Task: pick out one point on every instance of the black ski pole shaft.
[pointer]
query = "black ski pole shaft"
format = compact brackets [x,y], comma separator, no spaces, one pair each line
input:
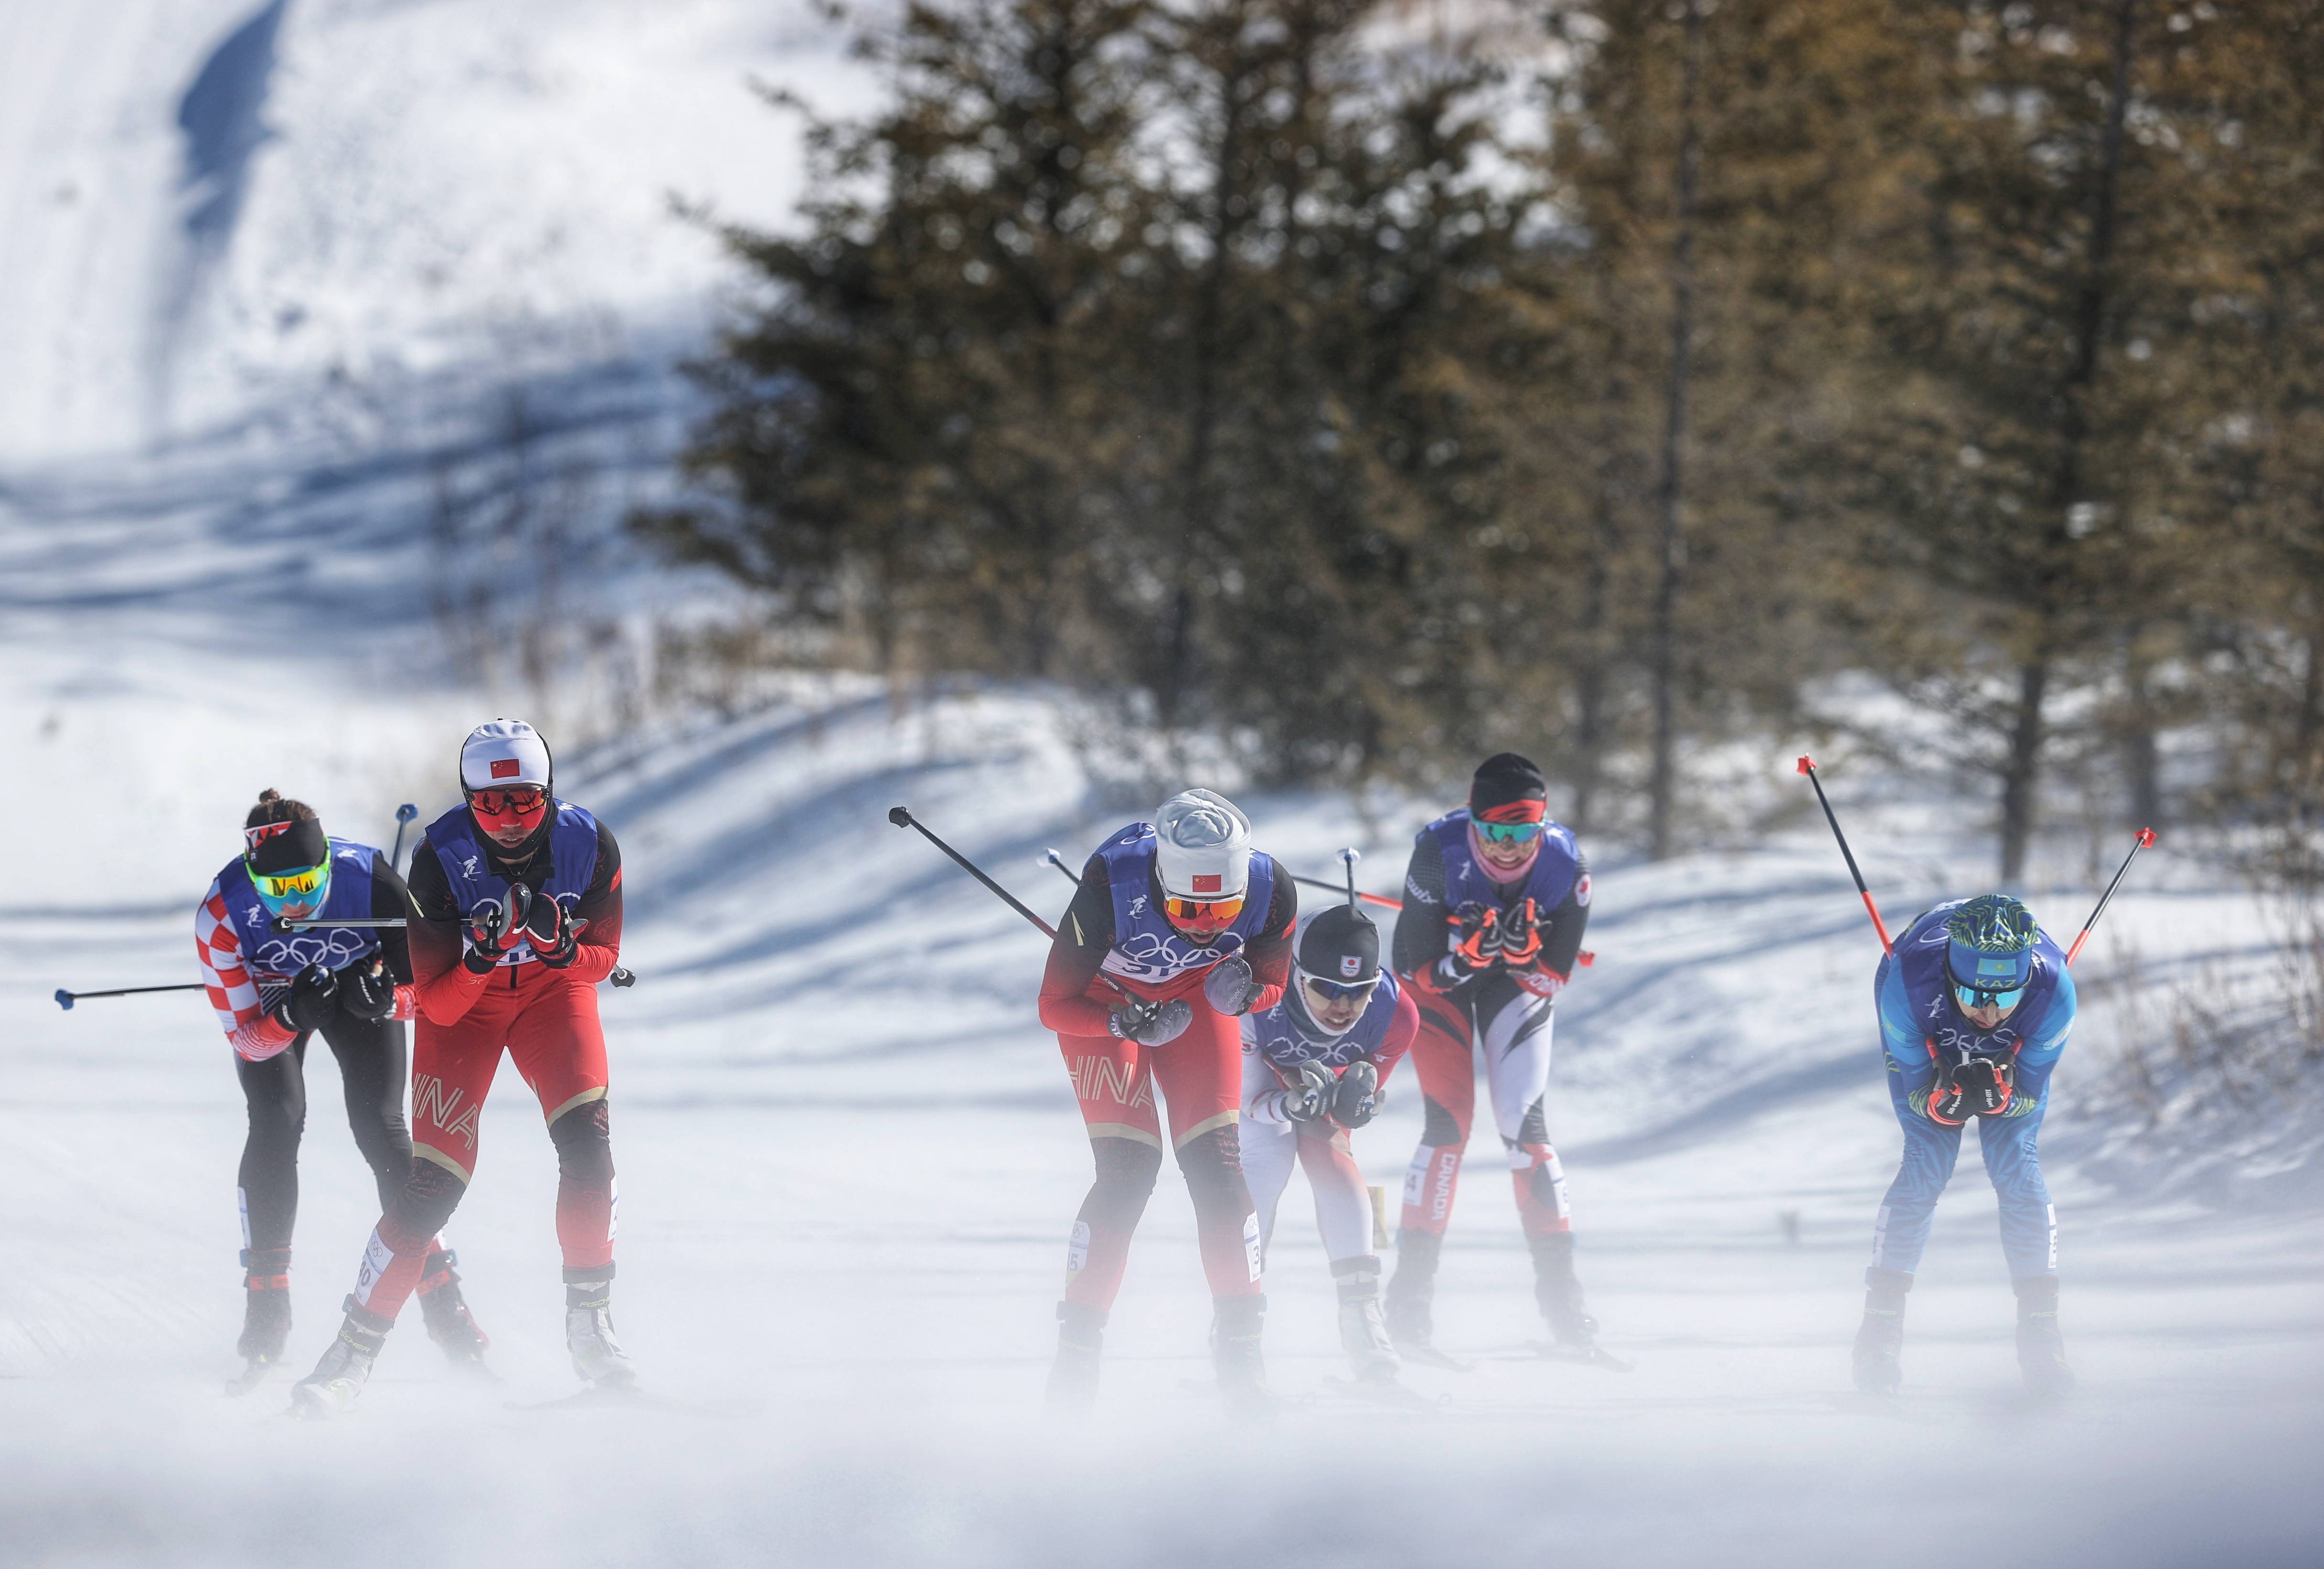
[901,816]
[403,814]
[2145,837]
[1348,858]
[1807,766]
[66,999]
[1058,861]
[1382,900]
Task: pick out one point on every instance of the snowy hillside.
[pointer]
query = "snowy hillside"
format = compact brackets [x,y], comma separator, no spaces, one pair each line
[214,207]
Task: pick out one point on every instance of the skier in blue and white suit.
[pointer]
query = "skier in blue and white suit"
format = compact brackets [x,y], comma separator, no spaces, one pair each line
[1974,1004]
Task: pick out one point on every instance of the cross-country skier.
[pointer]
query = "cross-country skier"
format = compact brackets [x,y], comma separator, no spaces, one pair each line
[519,915]
[1495,901]
[1314,1067]
[1975,1006]
[1180,928]
[275,989]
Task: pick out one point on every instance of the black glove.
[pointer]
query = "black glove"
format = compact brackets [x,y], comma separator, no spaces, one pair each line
[1520,935]
[1974,1086]
[1357,1099]
[1307,1095]
[310,1002]
[554,935]
[493,930]
[1229,987]
[1476,942]
[367,991]
[1151,1024]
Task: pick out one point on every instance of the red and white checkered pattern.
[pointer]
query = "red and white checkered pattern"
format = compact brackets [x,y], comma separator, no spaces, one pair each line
[234,992]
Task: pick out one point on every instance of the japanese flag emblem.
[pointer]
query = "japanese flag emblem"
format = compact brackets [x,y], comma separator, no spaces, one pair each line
[1349,965]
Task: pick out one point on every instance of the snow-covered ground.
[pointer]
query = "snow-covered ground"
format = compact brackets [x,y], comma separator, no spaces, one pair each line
[848,1155]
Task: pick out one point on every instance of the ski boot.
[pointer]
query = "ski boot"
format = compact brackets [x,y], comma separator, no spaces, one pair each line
[1072,1377]
[450,1324]
[332,1388]
[1411,1295]
[1559,1292]
[265,1314]
[1363,1331]
[2040,1349]
[1235,1327]
[1882,1335]
[597,1357]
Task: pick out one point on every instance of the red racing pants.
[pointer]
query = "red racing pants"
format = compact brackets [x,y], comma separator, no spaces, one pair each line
[547,1023]
[1199,1075]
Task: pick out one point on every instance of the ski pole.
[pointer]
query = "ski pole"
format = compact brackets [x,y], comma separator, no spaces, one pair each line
[1807,766]
[1058,861]
[1382,900]
[620,975]
[403,814]
[1349,856]
[901,816]
[66,999]
[2145,837]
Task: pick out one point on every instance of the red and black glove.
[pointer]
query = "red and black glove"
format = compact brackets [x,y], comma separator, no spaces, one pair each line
[1975,1086]
[1521,936]
[493,928]
[553,934]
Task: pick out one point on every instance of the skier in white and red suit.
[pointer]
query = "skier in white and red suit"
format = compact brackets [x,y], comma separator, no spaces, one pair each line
[275,988]
[1495,901]
[1180,928]
[1314,1067]
[518,916]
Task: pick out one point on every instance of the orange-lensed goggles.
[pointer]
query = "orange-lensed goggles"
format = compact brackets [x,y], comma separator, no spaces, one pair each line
[1202,912]
[510,807]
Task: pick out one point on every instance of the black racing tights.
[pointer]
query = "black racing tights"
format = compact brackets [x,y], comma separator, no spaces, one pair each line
[373,1065]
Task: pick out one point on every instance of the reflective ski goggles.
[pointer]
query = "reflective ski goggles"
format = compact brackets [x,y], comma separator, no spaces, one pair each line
[1340,991]
[307,887]
[1972,998]
[519,806]
[1202,913]
[1509,832]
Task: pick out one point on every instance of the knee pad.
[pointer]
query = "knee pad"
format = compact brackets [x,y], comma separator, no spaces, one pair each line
[1438,1130]
[1126,1170]
[584,1138]
[427,1199]
[1213,1164]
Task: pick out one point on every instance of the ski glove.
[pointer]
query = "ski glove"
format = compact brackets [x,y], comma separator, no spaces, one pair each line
[492,930]
[1520,935]
[1229,985]
[309,1003]
[367,991]
[1356,1101]
[1975,1086]
[1307,1095]
[554,934]
[1151,1024]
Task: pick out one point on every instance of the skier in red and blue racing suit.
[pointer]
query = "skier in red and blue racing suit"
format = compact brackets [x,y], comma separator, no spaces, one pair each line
[1975,1003]
[1496,899]
[1314,1067]
[275,988]
[1180,928]
[518,903]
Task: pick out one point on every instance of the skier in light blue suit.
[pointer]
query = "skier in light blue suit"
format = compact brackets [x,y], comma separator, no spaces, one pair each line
[1974,1004]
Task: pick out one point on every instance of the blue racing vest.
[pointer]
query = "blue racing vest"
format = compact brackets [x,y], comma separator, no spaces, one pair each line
[1278,1037]
[573,862]
[273,953]
[1555,868]
[1146,947]
[1929,989]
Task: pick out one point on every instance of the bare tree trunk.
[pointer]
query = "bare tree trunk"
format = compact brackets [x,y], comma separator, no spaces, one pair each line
[1673,490]
[2055,594]
[2022,772]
